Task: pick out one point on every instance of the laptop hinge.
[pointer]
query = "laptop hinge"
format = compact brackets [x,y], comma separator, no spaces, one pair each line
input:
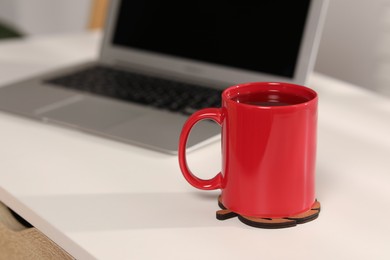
[169,74]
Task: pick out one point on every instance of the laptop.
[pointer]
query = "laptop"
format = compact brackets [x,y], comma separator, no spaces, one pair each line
[162,60]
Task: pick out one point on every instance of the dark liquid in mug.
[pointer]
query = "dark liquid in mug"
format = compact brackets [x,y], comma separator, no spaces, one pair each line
[270,99]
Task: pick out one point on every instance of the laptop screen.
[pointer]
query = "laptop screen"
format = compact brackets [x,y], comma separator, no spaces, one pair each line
[261,36]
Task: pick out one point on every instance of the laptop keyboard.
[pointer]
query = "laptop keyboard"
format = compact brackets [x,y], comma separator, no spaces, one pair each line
[142,89]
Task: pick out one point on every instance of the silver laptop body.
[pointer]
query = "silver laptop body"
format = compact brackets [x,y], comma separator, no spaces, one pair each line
[157,128]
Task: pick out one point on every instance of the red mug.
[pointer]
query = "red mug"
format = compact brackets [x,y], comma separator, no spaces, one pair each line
[268,139]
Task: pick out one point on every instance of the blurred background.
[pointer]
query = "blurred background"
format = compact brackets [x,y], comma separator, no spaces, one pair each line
[355,45]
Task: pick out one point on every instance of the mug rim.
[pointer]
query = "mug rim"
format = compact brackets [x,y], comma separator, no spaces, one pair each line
[231,92]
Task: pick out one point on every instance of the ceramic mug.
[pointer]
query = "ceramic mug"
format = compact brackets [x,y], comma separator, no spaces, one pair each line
[268,140]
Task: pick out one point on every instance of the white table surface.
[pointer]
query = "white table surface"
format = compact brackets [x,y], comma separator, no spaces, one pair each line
[101,199]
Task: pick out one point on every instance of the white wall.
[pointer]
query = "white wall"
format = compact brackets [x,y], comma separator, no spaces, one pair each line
[355,45]
[46,16]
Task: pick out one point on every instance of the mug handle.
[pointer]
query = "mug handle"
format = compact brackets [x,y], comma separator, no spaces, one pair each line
[214,183]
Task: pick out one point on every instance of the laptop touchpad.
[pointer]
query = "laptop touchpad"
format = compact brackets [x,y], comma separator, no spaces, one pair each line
[91,113]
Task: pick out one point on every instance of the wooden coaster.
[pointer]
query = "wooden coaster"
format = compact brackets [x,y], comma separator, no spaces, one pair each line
[270,223]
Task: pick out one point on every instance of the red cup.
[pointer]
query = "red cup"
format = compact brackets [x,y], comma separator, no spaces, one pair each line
[269,133]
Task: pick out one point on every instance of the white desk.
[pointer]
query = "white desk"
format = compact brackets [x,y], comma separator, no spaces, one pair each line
[102,199]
